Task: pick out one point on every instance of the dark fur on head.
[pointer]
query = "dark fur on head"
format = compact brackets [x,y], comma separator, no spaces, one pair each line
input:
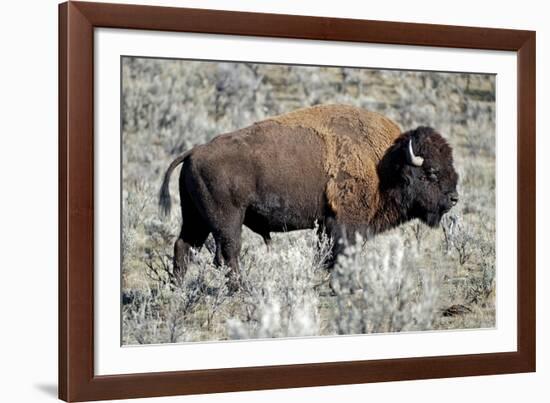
[407,191]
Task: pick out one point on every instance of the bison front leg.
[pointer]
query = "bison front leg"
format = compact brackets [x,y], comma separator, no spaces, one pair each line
[341,236]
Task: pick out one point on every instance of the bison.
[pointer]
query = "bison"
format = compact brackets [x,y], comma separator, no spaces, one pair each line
[346,168]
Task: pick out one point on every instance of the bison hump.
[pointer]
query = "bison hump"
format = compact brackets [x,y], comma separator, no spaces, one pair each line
[354,141]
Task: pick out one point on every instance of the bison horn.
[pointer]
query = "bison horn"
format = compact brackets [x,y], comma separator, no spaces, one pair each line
[413,159]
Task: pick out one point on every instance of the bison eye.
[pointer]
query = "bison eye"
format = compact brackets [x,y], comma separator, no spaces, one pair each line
[432,174]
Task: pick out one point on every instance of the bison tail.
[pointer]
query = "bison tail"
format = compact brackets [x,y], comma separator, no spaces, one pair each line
[165,202]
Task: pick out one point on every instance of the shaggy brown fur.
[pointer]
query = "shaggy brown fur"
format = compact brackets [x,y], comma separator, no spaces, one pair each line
[355,141]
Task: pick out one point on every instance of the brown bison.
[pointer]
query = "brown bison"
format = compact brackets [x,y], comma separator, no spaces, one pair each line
[346,168]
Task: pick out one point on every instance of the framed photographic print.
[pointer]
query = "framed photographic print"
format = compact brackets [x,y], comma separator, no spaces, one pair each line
[254,201]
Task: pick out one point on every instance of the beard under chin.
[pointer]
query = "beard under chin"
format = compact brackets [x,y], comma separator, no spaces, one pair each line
[432,219]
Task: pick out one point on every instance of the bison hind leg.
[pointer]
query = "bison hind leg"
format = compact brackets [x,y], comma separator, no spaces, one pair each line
[227,253]
[193,235]
[227,235]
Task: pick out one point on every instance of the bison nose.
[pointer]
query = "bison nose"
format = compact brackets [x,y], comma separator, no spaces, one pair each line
[453,197]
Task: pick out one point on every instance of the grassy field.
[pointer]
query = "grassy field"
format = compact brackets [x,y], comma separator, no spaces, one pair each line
[409,279]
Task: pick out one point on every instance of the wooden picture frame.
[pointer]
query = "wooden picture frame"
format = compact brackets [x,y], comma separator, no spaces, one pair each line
[77,21]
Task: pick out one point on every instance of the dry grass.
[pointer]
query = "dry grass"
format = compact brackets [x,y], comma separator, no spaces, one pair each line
[411,278]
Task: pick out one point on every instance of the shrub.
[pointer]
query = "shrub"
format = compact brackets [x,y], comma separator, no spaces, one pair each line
[381,289]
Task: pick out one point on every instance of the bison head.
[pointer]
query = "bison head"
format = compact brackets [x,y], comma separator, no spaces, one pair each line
[417,173]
